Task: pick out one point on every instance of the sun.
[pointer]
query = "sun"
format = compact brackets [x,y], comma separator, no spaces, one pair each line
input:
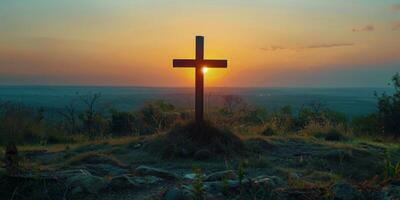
[205,70]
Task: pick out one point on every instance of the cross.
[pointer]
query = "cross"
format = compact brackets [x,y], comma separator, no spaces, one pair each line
[199,63]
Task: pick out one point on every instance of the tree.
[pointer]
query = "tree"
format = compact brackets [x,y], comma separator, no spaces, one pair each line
[389,109]
[92,120]
[70,115]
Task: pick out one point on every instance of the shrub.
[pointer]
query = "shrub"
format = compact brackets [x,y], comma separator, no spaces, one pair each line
[334,135]
[123,123]
[326,131]
[389,109]
[156,116]
[368,124]
[268,131]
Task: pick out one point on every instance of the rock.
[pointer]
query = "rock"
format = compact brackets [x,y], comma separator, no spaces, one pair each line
[190,176]
[105,170]
[222,175]
[85,184]
[126,181]
[344,191]
[72,172]
[149,171]
[175,194]
[271,181]
[203,154]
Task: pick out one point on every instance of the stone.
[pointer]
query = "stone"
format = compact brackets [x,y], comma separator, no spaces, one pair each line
[344,191]
[71,172]
[272,181]
[149,171]
[126,181]
[105,170]
[175,194]
[190,176]
[85,184]
[222,175]
[203,154]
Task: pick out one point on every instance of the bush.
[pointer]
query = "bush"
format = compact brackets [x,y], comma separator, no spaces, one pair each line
[368,124]
[157,116]
[21,124]
[334,135]
[123,123]
[327,131]
[389,109]
[268,131]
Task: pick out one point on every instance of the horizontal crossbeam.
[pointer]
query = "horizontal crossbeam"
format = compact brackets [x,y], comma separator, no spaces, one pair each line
[200,63]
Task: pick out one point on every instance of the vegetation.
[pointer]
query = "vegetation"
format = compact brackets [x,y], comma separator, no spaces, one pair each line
[29,125]
[278,154]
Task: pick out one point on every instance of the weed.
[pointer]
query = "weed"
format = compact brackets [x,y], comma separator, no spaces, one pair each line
[197,185]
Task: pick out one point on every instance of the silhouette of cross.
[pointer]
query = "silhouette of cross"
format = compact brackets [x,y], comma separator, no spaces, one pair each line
[199,63]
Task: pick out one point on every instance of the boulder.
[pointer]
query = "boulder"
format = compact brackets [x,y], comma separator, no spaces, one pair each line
[203,154]
[222,175]
[344,191]
[149,171]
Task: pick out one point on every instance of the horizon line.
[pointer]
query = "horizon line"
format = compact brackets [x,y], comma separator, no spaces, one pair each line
[178,87]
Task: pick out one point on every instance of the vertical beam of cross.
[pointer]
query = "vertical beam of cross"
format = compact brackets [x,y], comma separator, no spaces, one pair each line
[199,63]
[199,93]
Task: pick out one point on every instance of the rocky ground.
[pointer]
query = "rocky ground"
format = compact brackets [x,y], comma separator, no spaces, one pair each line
[276,167]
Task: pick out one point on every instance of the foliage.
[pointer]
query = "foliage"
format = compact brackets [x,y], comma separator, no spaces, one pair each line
[21,123]
[391,169]
[389,109]
[368,124]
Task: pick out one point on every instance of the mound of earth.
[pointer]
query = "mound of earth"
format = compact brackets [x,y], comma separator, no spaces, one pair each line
[199,141]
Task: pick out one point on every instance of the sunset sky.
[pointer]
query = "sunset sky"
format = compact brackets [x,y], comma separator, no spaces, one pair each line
[268,43]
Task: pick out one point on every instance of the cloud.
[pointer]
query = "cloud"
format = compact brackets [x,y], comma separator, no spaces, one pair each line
[274,48]
[313,46]
[317,46]
[396,26]
[366,28]
[395,7]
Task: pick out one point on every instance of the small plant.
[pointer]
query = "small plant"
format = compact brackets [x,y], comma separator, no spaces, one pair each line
[197,185]
[241,173]
[390,169]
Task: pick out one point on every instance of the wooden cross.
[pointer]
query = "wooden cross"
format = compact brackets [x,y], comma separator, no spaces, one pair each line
[199,63]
